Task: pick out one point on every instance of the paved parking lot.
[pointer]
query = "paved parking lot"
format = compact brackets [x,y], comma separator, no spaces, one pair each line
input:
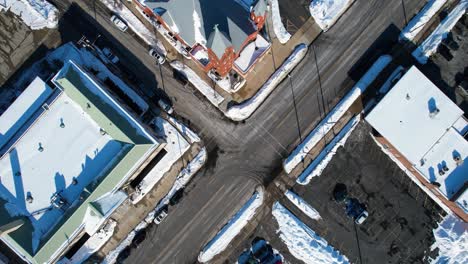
[294,13]
[401,215]
[448,68]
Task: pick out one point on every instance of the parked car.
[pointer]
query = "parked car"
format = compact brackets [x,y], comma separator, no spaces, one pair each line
[159,57]
[161,215]
[108,53]
[180,77]
[119,23]
[123,255]
[139,237]
[165,106]
[340,192]
[261,250]
[176,197]
[356,210]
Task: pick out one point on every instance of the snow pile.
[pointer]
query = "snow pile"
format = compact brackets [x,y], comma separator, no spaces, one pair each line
[335,114]
[417,24]
[111,257]
[244,110]
[303,205]
[182,179]
[303,242]
[232,228]
[134,23]
[214,97]
[37,14]
[94,243]
[176,146]
[86,59]
[451,238]
[187,132]
[327,12]
[430,45]
[321,161]
[281,33]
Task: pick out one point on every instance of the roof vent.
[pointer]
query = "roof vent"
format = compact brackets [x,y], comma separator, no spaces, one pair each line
[434,112]
[29,198]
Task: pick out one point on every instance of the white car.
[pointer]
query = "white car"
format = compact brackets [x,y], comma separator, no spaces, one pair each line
[160,217]
[166,107]
[119,23]
[108,53]
[362,217]
[160,58]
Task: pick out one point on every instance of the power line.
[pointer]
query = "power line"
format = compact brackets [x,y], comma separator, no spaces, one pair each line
[357,239]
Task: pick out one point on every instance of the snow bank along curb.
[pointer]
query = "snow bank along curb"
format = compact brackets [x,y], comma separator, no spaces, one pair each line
[244,110]
[430,45]
[303,243]
[303,205]
[412,177]
[134,24]
[232,228]
[187,132]
[182,179]
[327,12]
[214,97]
[37,14]
[281,33]
[321,161]
[335,114]
[416,25]
[451,238]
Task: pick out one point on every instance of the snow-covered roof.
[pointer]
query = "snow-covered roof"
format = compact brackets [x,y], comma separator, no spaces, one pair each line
[423,124]
[76,145]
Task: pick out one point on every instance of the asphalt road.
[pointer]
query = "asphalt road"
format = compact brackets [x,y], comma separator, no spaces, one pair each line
[244,155]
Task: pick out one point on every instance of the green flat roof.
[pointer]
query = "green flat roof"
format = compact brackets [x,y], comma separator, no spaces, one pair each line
[118,124]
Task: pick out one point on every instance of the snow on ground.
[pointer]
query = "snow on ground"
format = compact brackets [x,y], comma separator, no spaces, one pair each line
[214,97]
[86,59]
[303,242]
[430,45]
[335,114]
[94,243]
[321,161]
[134,24]
[182,179]
[327,12]
[417,24]
[244,110]
[281,33]
[303,205]
[251,52]
[37,14]
[224,237]
[176,146]
[191,136]
[451,238]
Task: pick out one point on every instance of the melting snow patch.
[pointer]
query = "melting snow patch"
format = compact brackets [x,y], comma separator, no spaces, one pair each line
[303,205]
[340,109]
[451,238]
[303,242]
[416,25]
[214,97]
[327,12]
[321,161]
[244,110]
[37,14]
[430,45]
[232,228]
[281,33]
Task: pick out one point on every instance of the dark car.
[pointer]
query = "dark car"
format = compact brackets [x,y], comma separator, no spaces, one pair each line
[356,210]
[124,254]
[340,192]
[139,237]
[176,197]
[261,250]
[180,76]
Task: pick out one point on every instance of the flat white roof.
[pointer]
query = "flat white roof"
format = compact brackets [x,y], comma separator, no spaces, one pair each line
[76,150]
[21,109]
[462,201]
[430,142]
[403,115]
